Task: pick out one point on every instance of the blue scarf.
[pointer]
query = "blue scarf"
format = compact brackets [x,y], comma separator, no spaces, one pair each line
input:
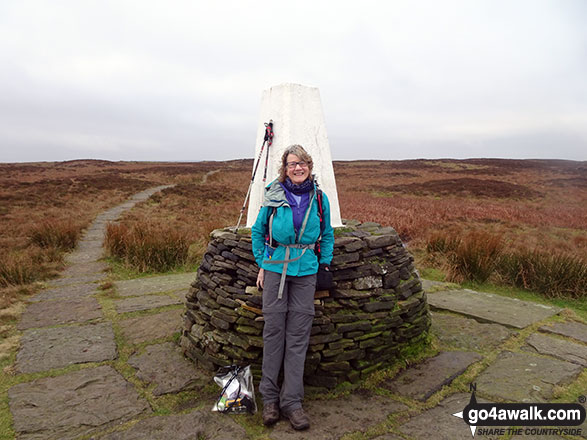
[305,187]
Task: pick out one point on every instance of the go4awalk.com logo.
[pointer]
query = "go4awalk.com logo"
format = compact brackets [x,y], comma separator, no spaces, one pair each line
[522,418]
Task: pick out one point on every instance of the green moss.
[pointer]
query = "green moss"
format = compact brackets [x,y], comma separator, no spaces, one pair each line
[572,392]
[120,271]
[432,274]
[417,348]
[341,232]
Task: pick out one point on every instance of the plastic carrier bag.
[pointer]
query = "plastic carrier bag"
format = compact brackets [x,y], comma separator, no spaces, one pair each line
[237,395]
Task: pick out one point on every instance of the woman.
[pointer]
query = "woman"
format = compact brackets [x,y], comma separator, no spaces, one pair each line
[287,275]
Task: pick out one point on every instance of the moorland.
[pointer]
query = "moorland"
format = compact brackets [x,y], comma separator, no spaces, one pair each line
[514,223]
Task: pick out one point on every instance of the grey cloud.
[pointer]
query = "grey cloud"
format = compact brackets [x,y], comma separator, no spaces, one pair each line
[399,79]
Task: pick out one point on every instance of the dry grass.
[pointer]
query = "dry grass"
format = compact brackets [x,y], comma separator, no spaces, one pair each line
[534,207]
[552,215]
[186,214]
[529,204]
[8,345]
[555,275]
[45,206]
[62,235]
[479,255]
[148,246]
[476,257]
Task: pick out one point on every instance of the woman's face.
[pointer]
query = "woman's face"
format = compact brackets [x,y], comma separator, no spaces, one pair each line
[296,169]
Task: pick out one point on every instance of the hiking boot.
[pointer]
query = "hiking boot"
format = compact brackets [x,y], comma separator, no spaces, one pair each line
[270,413]
[298,419]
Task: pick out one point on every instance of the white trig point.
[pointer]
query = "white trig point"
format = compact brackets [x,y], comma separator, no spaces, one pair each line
[296,112]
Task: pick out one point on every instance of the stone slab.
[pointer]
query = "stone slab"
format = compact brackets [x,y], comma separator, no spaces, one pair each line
[91,243]
[66,292]
[574,330]
[466,333]
[46,313]
[151,327]
[93,267]
[165,366]
[201,424]
[331,419]
[422,380]
[182,295]
[84,256]
[522,377]
[78,279]
[147,302]
[439,423]
[165,283]
[559,348]
[95,233]
[47,348]
[493,308]
[74,404]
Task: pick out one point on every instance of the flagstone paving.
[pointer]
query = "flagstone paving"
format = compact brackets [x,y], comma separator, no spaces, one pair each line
[138,303]
[125,370]
[336,417]
[572,329]
[47,348]
[202,424]
[492,308]
[46,313]
[440,423]
[559,348]
[90,268]
[165,366]
[466,333]
[67,406]
[73,280]
[423,380]
[72,291]
[150,327]
[522,377]
[166,283]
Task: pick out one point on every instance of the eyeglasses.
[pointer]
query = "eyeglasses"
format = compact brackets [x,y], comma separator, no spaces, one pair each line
[292,165]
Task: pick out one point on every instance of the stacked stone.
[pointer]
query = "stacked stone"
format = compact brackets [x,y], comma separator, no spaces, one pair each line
[376,307]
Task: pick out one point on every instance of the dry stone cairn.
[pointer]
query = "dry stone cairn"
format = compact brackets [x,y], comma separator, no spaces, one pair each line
[376,307]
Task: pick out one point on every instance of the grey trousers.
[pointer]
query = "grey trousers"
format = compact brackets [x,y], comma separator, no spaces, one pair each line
[286,335]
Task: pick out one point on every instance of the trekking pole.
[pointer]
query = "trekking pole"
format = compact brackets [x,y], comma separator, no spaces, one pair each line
[268,139]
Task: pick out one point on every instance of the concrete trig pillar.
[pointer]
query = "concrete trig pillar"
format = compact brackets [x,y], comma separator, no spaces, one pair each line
[296,111]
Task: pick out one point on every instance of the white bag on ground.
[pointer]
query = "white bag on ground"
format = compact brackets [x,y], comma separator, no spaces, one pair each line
[238,394]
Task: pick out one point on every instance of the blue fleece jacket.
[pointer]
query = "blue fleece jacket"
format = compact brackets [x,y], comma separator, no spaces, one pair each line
[284,232]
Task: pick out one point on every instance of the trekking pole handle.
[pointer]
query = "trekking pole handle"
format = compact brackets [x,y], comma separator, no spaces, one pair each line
[269,131]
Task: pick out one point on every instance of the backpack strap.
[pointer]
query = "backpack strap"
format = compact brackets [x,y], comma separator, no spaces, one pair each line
[322,226]
[269,236]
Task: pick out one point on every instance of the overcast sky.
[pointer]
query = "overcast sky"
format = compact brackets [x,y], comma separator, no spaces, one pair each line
[182,80]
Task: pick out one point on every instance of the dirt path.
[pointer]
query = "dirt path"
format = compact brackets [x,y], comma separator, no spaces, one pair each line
[100,360]
[208,174]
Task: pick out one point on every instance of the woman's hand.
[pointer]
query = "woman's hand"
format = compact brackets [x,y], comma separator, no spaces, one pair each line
[260,278]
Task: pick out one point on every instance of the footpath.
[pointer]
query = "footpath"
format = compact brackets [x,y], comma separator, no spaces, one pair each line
[100,360]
